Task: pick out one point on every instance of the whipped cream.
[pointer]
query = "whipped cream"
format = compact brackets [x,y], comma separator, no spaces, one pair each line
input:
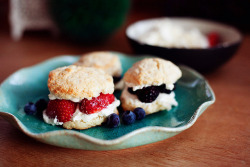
[162,102]
[78,115]
[168,86]
[169,34]
[52,121]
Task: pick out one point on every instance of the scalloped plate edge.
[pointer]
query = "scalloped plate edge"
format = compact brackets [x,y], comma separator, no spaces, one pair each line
[11,118]
[42,136]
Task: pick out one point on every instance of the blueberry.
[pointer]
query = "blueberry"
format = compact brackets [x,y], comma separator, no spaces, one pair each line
[41,105]
[162,89]
[148,94]
[128,117]
[30,108]
[113,120]
[140,113]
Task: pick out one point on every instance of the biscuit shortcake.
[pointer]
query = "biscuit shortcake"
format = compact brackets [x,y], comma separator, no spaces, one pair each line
[107,61]
[149,84]
[80,97]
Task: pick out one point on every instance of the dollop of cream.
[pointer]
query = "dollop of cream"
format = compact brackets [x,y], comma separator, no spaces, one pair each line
[168,86]
[162,102]
[52,121]
[78,115]
[168,34]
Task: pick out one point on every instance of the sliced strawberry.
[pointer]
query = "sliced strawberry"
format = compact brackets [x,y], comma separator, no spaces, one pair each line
[62,109]
[96,104]
[213,38]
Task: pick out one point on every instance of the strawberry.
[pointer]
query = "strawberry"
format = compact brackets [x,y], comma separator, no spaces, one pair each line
[213,38]
[96,104]
[62,109]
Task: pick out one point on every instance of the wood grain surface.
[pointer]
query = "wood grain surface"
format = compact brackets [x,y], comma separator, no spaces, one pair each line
[220,137]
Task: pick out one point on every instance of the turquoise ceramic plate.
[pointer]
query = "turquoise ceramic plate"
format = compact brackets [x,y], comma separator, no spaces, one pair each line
[30,84]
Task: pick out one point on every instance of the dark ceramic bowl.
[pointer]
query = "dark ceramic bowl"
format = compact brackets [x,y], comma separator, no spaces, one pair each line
[201,59]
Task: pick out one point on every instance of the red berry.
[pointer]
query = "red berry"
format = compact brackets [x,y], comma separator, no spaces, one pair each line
[63,109]
[213,38]
[96,104]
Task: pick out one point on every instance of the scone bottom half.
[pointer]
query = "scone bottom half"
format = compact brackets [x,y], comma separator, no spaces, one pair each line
[150,84]
[88,103]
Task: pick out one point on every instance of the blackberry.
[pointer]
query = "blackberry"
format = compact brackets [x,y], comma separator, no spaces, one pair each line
[167,91]
[162,89]
[148,94]
[41,105]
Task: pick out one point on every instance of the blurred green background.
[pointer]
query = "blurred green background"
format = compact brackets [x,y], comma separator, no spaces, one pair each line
[88,20]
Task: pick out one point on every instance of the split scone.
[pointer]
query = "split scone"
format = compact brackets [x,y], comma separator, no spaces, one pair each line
[149,84]
[107,61]
[80,97]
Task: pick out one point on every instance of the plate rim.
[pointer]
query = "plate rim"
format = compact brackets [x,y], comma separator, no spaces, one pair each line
[102,142]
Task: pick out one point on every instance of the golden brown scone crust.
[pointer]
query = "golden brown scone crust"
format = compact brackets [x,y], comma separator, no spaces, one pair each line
[76,82]
[107,61]
[152,71]
[85,125]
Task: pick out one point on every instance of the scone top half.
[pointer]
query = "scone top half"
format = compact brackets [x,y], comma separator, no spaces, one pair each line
[106,61]
[152,71]
[76,83]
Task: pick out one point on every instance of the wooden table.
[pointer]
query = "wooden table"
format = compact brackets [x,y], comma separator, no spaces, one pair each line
[220,137]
